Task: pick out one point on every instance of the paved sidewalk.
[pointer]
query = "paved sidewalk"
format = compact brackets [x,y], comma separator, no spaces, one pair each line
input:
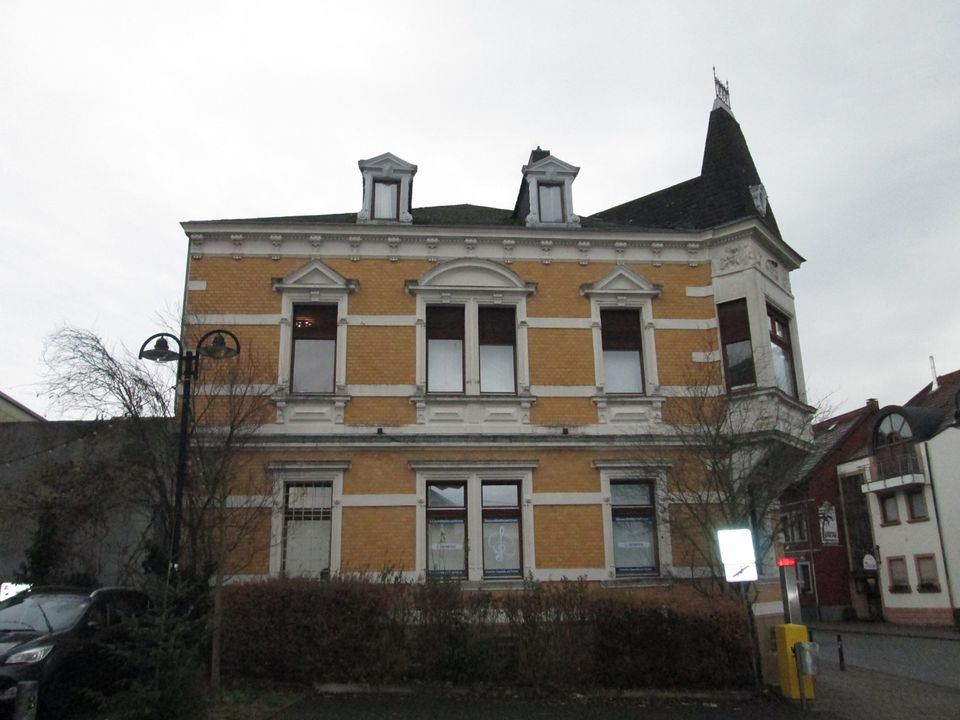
[859,694]
[883,628]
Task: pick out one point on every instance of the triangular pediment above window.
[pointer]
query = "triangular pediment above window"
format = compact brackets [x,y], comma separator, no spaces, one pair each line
[314,276]
[551,165]
[621,281]
[386,164]
[464,274]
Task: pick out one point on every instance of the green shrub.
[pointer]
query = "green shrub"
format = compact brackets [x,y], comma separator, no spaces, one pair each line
[546,635]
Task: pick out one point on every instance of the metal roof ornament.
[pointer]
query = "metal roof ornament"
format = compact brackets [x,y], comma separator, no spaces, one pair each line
[722,90]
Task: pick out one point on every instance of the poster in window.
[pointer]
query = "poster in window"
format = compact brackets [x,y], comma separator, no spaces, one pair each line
[501,547]
[829,532]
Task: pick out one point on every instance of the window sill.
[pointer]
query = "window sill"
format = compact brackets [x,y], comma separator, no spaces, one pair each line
[889,523]
[919,519]
[928,588]
[900,589]
[458,409]
[652,580]
[318,408]
[628,408]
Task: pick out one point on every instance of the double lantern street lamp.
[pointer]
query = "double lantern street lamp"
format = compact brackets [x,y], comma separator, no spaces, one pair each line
[188,366]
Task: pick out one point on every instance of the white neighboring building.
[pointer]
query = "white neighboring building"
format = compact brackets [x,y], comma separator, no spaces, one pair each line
[911,473]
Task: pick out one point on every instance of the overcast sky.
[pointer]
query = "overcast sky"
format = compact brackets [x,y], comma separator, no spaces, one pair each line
[120,119]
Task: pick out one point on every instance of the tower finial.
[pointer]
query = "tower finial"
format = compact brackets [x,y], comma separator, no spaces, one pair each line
[722,89]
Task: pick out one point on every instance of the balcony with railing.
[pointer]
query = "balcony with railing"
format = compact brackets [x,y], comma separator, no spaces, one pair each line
[893,470]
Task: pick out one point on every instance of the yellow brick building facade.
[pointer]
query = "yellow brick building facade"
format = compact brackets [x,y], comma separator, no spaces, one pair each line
[488,394]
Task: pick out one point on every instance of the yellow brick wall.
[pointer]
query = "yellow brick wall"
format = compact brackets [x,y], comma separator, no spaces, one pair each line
[382,290]
[381,355]
[248,541]
[561,357]
[238,286]
[375,539]
[568,536]
[566,472]
[386,355]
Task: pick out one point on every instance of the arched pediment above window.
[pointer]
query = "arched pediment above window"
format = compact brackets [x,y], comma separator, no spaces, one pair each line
[315,276]
[622,281]
[471,274]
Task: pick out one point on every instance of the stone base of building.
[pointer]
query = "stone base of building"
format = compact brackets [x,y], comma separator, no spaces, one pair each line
[919,616]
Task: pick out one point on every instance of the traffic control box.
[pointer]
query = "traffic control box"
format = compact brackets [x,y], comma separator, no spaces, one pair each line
[788,636]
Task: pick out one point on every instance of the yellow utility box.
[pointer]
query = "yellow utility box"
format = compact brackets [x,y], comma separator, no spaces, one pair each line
[788,635]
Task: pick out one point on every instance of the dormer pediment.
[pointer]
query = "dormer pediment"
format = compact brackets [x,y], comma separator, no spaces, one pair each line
[471,274]
[551,166]
[315,276]
[387,164]
[387,190]
[621,281]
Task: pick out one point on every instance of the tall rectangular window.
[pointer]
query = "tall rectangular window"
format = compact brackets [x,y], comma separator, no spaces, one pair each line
[445,338]
[781,352]
[386,200]
[927,578]
[314,348]
[634,527]
[889,509]
[622,357]
[551,202]
[501,530]
[899,581]
[446,530]
[737,346]
[497,331]
[917,503]
[306,529]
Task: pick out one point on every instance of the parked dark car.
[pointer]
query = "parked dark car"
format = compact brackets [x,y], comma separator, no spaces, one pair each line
[58,637]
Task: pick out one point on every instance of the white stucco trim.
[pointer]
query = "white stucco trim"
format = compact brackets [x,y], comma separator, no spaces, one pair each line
[567,498]
[700,291]
[236,319]
[305,471]
[381,500]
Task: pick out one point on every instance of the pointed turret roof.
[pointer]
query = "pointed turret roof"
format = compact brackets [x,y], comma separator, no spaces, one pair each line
[728,188]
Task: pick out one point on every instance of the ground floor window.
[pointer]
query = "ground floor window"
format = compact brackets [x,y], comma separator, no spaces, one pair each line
[306,517]
[446,529]
[474,520]
[307,524]
[634,527]
[899,581]
[927,578]
[636,531]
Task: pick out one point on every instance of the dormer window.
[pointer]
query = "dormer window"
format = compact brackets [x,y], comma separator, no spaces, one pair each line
[387,190]
[551,203]
[386,200]
[546,194]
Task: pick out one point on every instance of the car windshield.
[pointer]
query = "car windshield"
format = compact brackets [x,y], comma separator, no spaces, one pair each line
[43,613]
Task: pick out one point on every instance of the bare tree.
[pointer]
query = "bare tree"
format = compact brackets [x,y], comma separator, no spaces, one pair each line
[87,378]
[731,455]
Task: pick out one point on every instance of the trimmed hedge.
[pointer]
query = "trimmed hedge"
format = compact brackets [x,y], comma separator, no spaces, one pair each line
[558,634]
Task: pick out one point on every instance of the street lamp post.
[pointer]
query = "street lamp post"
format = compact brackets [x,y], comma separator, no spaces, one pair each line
[188,365]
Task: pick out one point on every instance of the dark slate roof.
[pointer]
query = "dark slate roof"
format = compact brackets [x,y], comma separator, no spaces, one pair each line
[942,400]
[465,214]
[828,434]
[721,193]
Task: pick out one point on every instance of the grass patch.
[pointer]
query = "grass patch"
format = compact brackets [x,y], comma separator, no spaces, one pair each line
[253,703]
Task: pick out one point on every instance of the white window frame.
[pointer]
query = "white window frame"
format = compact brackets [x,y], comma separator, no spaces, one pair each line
[473,283]
[289,473]
[656,475]
[473,475]
[312,284]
